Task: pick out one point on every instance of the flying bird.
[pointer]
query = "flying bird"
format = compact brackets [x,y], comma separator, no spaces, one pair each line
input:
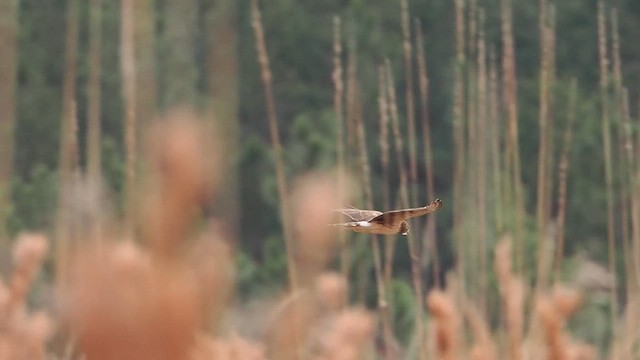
[386,223]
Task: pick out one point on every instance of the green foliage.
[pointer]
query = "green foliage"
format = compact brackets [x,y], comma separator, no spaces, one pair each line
[299,42]
[247,273]
[594,311]
[402,309]
[312,142]
[113,166]
[274,268]
[34,200]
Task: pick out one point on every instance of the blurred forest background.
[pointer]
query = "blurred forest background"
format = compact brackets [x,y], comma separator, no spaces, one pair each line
[520,134]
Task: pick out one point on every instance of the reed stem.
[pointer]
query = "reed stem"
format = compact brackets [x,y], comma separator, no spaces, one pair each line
[263,60]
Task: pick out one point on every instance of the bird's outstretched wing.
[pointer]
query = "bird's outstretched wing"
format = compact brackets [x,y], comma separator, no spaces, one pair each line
[351,224]
[396,216]
[359,215]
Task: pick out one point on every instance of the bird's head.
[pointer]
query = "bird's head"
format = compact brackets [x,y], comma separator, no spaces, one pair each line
[404,228]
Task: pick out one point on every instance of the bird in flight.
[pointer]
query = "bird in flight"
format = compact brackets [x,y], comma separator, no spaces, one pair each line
[386,223]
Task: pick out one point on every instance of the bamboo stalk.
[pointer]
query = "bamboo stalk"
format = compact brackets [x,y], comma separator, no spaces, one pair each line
[495,126]
[606,135]
[632,260]
[352,155]
[511,105]
[542,138]
[180,75]
[127,63]
[63,241]
[615,56]
[223,94]
[551,75]
[145,54]
[263,60]
[410,109]
[543,147]
[622,111]
[389,242]
[94,162]
[351,140]
[563,171]
[458,140]
[423,82]
[633,282]
[8,76]
[629,247]
[93,148]
[383,108]
[338,105]
[472,165]
[404,198]
[625,148]
[625,171]
[482,163]
[365,171]
[375,245]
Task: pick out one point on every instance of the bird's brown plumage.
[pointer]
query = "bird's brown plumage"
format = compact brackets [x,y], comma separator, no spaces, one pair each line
[389,222]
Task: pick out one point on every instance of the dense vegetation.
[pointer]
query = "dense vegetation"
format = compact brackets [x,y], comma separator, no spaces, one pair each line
[182,60]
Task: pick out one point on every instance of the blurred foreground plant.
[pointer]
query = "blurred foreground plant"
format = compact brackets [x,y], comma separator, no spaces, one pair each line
[163,289]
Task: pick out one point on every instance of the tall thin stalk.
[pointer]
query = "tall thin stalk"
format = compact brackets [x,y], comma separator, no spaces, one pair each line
[127,63]
[542,136]
[94,168]
[383,109]
[615,57]
[458,140]
[93,142]
[145,60]
[551,75]
[510,89]
[482,161]
[472,164]
[606,134]
[627,189]
[338,106]
[66,142]
[630,194]
[375,245]
[389,241]
[352,153]
[263,60]
[423,82]
[545,142]
[351,139]
[222,111]
[8,71]
[630,182]
[623,189]
[622,110]
[495,137]
[410,109]
[178,61]
[404,198]
[563,171]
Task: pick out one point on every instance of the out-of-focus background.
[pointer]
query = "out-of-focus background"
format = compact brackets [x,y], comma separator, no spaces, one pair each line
[522,116]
